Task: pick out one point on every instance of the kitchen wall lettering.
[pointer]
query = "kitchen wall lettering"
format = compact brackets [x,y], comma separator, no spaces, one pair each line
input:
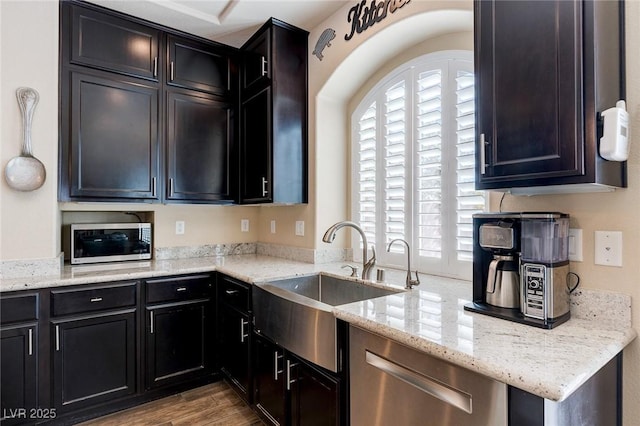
[362,17]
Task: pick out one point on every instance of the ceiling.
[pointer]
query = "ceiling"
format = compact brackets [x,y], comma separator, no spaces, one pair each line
[230,22]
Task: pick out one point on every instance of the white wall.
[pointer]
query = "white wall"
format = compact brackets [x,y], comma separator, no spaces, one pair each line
[29,57]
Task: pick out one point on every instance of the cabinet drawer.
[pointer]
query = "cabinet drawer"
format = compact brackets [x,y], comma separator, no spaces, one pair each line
[234,293]
[18,308]
[178,288]
[65,302]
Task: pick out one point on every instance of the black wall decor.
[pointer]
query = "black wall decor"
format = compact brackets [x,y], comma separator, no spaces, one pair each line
[362,16]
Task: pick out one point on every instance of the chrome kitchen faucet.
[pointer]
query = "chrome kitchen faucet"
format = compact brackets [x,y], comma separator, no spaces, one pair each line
[409,282]
[367,265]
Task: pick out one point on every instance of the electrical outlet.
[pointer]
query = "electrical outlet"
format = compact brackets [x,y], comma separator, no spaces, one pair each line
[300,228]
[273,226]
[244,225]
[608,248]
[179,227]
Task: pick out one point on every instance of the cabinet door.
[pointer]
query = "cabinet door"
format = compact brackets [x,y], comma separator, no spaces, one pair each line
[111,43]
[529,112]
[93,358]
[200,135]
[256,60]
[234,331]
[255,163]
[315,397]
[114,138]
[199,66]
[268,380]
[177,342]
[18,372]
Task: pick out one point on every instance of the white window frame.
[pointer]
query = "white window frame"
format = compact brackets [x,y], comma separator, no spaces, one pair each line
[450,265]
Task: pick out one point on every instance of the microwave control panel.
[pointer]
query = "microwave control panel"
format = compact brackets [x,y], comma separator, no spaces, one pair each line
[534,287]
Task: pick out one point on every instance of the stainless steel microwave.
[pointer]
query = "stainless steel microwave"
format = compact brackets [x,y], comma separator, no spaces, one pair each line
[110,242]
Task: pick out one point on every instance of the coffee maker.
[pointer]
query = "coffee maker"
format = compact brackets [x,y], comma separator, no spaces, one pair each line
[520,267]
[545,266]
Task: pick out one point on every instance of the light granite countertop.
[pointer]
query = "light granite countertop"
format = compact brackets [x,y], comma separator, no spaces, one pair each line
[430,318]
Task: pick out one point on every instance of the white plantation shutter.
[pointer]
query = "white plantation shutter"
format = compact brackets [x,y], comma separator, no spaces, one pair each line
[394,162]
[366,215]
[429,164]
[413,169]
[469,201]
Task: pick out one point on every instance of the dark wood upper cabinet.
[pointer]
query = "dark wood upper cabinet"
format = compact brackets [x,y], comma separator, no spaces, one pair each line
[273,140]
[200,132]
[199,66]
[256,60]
[112,140]
[111,43]
[150,114]
[540,86]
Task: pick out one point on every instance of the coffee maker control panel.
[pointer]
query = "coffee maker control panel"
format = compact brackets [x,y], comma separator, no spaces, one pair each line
[534,298]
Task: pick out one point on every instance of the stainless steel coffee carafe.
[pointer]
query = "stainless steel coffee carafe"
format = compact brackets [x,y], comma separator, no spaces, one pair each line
[503,282]
[502,286]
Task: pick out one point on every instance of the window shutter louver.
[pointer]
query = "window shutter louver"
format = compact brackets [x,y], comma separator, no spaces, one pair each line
[367,173]
[394,163]
[429,164]
[469,201]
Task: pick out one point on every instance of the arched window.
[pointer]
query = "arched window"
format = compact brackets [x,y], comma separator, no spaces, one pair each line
[413,164]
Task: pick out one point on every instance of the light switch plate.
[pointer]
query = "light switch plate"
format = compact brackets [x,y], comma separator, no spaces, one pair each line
[244,225]
[575,245]
[608,246]
[300,228]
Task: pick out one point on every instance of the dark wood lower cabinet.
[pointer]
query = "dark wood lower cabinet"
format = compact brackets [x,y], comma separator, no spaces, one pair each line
[18,373]
[234,333]
[269,386]
[93,359]
[315,397]
[291,391]
[177,342]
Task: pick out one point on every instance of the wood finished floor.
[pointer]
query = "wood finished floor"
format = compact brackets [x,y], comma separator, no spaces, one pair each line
[214,404]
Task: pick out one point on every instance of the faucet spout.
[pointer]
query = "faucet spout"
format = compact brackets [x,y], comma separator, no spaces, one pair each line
[409,282]
[367,265]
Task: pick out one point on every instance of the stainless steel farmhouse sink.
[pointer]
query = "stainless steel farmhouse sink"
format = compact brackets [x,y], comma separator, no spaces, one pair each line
[296,313]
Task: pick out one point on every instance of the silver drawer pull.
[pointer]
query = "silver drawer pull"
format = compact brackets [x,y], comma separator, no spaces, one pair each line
[151,320]
[264,187]
[57,337]
[181,289]
[276,371]
[264,66]
[483,154]
[231,292]
[31,341]
[290,381]
[243,334]
[429,385]
[96,299]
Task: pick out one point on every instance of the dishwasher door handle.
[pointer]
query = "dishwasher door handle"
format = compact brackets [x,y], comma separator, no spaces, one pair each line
[429,385]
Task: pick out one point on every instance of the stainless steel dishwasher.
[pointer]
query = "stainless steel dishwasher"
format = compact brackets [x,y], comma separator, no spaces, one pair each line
[392,384]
